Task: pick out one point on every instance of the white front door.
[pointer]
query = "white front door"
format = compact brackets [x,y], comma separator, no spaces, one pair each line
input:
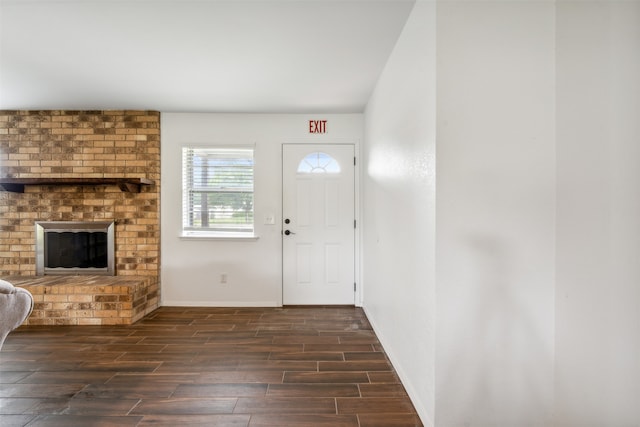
[318,224]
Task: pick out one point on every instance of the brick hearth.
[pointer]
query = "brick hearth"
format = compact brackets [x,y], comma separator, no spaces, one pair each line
[88,300]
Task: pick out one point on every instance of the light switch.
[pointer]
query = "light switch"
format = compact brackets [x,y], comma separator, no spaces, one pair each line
[270,219]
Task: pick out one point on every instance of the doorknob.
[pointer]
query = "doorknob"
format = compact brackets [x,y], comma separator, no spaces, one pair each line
[287,232]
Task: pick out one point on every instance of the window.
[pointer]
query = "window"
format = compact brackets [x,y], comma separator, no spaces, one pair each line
[318,162]
[217,192]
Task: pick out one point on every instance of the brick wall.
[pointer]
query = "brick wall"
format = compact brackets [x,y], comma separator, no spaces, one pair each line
[81,144]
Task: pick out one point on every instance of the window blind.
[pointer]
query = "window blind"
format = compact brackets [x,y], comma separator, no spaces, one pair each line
[217,190]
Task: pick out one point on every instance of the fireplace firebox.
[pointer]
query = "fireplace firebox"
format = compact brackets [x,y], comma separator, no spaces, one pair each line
[71,247]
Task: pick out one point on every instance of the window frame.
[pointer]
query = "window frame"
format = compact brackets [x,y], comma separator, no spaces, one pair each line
[188,231]
[312,164]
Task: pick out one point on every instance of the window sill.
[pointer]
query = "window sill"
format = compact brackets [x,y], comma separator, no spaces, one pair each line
[226,237]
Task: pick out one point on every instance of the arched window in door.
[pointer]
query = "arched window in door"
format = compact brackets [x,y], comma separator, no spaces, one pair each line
[318,162]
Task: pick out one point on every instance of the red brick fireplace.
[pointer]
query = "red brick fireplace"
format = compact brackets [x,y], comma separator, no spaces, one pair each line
[82,166]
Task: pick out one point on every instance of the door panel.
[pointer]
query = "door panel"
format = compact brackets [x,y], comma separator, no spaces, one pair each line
[318,201]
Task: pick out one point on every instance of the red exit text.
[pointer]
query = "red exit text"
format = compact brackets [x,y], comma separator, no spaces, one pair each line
[317,126]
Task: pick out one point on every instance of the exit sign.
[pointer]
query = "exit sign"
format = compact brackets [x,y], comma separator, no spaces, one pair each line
[317,126]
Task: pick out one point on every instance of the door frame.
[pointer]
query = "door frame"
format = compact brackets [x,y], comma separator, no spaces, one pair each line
[357,241]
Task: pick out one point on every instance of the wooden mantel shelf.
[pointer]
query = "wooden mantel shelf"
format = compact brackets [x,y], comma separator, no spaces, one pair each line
[131,185]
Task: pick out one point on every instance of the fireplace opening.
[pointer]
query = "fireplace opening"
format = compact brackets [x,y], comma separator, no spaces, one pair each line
[69,247]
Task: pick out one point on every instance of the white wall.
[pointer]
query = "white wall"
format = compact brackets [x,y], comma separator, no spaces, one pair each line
[598,264]
[191,269]
[398,208]
[495,214]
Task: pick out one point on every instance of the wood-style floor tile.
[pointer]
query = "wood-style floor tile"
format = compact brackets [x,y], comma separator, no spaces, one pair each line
[186,367]
[285,405]
[71,357]
[384,377]
[150,378]
[34,365]
[195,420]
[338,347]
[354,366]
[389,420]
[201,366]
[326,377]
[240,377]
[197,406]
[278,365]
[13,377]
[304,339]
[353,338]
[139,348]
[81,406]
[368,405]
[313,390]
[307,355]
[40,390]
[19,405]
[128,391]
[81,420]
[220,390]
[365,355]
[288,420]
[117,366]
[302,330]
[15,420]
[216,357]
[157,357]
[78,377]
[237,348]
[382,390]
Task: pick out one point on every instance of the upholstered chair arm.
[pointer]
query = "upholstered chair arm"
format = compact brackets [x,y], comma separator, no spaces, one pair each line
[16,305]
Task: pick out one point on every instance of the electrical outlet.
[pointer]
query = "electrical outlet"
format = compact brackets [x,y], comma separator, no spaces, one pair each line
[223,278]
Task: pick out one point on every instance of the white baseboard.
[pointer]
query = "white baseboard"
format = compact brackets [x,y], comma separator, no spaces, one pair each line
[181,303]
[413,395]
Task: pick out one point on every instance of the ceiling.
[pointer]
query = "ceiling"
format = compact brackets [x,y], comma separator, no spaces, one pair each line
[269,56]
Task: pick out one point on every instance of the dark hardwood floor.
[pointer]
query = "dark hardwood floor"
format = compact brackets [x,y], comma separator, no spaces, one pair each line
[292,366]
